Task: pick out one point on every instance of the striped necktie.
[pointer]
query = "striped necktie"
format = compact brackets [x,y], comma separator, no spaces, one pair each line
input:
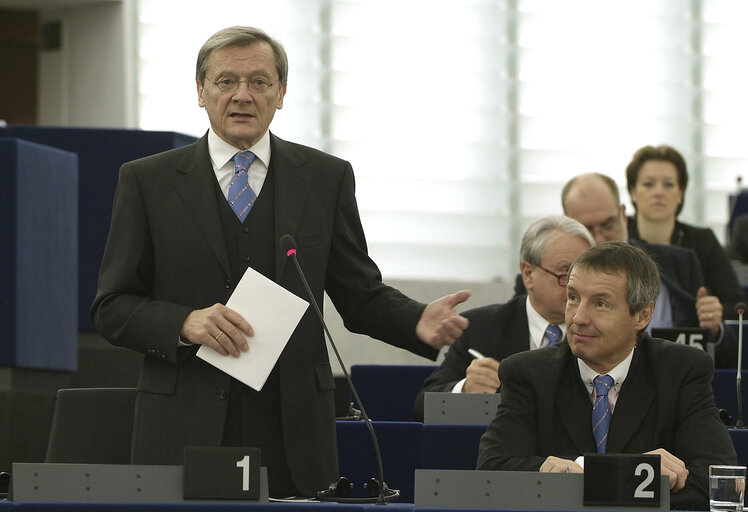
[241,196]
[553,333]
[601,413]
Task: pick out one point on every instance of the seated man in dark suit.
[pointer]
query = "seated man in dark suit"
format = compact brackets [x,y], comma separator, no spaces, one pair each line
[496,331]
[593,200]
[737,249]
[654,396]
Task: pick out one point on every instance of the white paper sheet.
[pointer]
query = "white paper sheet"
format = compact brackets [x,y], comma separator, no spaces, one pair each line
[273,312]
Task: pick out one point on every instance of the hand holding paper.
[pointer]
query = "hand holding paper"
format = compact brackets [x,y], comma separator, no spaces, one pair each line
[219,327]
[274,313]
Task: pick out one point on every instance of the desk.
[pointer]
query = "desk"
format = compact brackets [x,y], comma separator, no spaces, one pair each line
[6,506]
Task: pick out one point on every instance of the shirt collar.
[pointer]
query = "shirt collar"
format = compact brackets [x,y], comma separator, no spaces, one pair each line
[537,324]
[618,373]
[221,151]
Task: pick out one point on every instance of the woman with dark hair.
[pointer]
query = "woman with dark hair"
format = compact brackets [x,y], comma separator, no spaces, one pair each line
[656,179]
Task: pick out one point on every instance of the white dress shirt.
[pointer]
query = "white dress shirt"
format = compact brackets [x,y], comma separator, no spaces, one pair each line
[222,154]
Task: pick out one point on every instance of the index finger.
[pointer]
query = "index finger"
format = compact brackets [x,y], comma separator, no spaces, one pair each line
[488,362]
[239,321]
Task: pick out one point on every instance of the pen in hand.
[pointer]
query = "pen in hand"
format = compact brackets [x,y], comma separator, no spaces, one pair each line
[475,353]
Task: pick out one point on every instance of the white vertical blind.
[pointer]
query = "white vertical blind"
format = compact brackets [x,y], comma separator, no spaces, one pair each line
[725,105]
[463,119]
[419,104]
[597,81]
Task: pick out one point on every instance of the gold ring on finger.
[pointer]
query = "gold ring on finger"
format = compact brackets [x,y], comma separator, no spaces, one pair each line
[567,469]
[220,333]
[711,315]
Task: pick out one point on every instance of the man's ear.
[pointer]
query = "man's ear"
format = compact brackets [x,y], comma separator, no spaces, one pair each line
[200,89]
[644,316]
[526,268]
[282,94]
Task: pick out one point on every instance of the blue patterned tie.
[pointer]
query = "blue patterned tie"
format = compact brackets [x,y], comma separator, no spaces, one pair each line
[553,333]
[601,411]
[241,196]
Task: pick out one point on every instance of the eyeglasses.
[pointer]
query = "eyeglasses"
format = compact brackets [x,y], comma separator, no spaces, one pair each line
[256,85]
[607,228]
[563,279]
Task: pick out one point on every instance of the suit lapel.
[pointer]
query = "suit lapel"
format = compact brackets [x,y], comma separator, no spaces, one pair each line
[514,334]
[195,184]
[293,177]
[576,413]
[633,404]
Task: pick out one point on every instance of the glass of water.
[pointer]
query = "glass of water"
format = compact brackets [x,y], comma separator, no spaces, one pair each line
[726,488]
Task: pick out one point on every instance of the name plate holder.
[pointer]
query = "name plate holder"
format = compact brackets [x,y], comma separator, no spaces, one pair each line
[124,483]
[692,336]
[460,408]
[515,490]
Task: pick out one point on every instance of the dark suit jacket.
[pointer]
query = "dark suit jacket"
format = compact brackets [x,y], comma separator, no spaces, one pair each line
[166,255]
[665,402]
[737,249]
[497,331]
[719,276]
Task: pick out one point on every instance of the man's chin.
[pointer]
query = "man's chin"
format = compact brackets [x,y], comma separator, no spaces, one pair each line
[243,139]
[576,349]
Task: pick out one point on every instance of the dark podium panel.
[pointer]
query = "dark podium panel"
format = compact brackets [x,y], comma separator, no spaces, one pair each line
[38,256]
[101,152]
[388,391]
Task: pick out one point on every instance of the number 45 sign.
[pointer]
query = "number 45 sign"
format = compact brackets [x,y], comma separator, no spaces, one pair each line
[622,479]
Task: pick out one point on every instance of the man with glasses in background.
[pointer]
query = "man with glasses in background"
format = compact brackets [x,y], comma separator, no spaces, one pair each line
[187,223]
[593,199]
[528,321]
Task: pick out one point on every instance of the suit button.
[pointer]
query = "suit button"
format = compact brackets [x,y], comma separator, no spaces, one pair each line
[246,258]
[228,284]
[222,394]
[245,229]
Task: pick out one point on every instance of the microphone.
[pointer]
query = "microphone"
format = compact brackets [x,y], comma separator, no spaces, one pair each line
[740,310]
[379,493]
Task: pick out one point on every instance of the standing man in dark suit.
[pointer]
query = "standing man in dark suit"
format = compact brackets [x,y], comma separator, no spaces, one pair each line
[179,244]
[548,248]
[593,200]
[656,396]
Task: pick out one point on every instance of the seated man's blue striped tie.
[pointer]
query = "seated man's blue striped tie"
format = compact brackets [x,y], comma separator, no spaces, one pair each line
[601,412]
[553,333]
[241,196]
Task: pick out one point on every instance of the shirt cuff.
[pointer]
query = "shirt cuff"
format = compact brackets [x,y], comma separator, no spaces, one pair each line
[721,334]
[458,387]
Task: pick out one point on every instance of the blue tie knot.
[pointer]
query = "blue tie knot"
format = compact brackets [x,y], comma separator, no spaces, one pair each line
[243,160]
[553,333]
[603,383]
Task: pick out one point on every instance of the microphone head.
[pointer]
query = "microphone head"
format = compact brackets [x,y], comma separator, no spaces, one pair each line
[740,308]
[288,244]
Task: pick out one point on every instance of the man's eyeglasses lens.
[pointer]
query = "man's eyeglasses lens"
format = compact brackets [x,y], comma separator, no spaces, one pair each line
[257,85]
